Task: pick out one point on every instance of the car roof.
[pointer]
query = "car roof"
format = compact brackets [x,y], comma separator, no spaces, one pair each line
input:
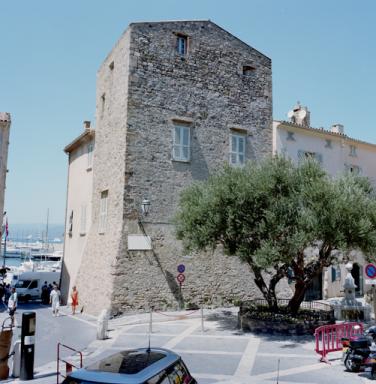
[95,372]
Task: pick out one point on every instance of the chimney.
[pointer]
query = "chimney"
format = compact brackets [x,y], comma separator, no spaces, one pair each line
[86,125]
[300,115]
[338,128]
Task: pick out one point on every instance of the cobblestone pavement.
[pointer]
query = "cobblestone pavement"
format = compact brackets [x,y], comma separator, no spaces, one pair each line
[219,353]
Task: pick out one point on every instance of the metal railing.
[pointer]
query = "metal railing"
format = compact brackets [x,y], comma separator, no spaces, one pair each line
[311,305]
[69,365]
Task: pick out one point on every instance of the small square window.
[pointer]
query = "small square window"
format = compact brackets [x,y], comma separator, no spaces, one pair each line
[182,44]
[248,70]
[290,136]
[328,143]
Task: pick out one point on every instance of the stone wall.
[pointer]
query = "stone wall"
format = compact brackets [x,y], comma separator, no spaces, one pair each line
[99,261]
[147,86]
[207,90]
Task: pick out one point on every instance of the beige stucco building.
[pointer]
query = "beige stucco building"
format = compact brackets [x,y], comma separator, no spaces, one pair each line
[78,209]
[5,122]
[337,153]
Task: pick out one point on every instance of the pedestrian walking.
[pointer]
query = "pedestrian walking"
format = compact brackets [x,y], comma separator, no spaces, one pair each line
[45,293]
[55,301]
[74,297]
[12,305]
[2,291]
[8,292]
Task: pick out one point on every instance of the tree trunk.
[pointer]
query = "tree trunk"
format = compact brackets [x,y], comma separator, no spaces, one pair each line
[269,294]
[298,297]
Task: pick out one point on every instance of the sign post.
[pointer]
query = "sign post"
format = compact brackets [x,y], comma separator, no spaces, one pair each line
[370,272]
[180,278]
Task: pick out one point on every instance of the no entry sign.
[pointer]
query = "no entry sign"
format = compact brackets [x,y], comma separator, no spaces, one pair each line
[180,278]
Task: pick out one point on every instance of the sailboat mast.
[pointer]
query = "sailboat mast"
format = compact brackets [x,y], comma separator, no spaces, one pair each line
[48,214]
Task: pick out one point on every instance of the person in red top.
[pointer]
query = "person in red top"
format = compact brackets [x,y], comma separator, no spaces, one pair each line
[74,297]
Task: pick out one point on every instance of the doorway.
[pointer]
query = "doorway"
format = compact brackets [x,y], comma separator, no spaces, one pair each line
[358,279]
[314,291]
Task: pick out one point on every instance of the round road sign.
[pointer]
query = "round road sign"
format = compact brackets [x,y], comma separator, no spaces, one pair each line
[180,278]
[371,271]
[181,268]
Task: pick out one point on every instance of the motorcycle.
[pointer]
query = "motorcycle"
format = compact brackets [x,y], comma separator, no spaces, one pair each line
[357,350]
[370,365]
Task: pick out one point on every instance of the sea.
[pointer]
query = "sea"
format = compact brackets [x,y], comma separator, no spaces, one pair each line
[14,260]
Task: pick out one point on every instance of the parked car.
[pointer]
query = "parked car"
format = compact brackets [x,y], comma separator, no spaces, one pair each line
[136,366]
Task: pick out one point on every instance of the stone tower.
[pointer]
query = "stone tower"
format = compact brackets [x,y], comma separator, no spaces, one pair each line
[175,102]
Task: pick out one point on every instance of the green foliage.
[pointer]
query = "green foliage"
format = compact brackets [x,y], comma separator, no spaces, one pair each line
[268,213]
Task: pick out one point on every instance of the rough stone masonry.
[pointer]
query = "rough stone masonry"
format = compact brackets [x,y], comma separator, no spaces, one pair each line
[159,75]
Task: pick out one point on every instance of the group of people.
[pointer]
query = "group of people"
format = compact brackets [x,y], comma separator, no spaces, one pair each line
[50,295]
[5,292]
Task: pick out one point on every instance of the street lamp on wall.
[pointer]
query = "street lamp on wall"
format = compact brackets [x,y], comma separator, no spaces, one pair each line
[145,206]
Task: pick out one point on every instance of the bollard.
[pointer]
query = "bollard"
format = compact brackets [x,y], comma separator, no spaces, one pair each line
[202,319]
[16,366]
[151,321]
[27,346]
[102,325]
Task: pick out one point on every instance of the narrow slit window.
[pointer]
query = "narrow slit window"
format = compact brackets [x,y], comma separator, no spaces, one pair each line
[103,212]
[182,44]
[90,149]
[83,220]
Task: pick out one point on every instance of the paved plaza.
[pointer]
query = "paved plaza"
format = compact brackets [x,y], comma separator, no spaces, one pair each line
[215,353]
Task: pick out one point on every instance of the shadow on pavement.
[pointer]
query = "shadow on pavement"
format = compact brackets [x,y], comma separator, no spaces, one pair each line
[228,321]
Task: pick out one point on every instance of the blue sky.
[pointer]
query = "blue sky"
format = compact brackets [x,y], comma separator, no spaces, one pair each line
[323,54]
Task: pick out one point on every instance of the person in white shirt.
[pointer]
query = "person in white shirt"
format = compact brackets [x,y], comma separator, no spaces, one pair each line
[55,300]
[12,304]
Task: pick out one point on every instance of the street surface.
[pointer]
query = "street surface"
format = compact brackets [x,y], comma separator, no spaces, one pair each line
[218,354]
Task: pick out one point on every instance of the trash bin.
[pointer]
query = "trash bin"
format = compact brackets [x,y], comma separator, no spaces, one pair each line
[5,343]
[102,325]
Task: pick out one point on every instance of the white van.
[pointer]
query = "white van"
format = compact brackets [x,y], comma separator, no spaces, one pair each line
[29,284]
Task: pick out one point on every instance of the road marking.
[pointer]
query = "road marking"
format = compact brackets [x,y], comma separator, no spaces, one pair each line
[156,333]
[196,352]
[287,355]
[292,371]
[177,339]
[248,359]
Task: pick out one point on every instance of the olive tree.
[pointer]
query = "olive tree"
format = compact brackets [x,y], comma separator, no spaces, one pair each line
[269,213]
